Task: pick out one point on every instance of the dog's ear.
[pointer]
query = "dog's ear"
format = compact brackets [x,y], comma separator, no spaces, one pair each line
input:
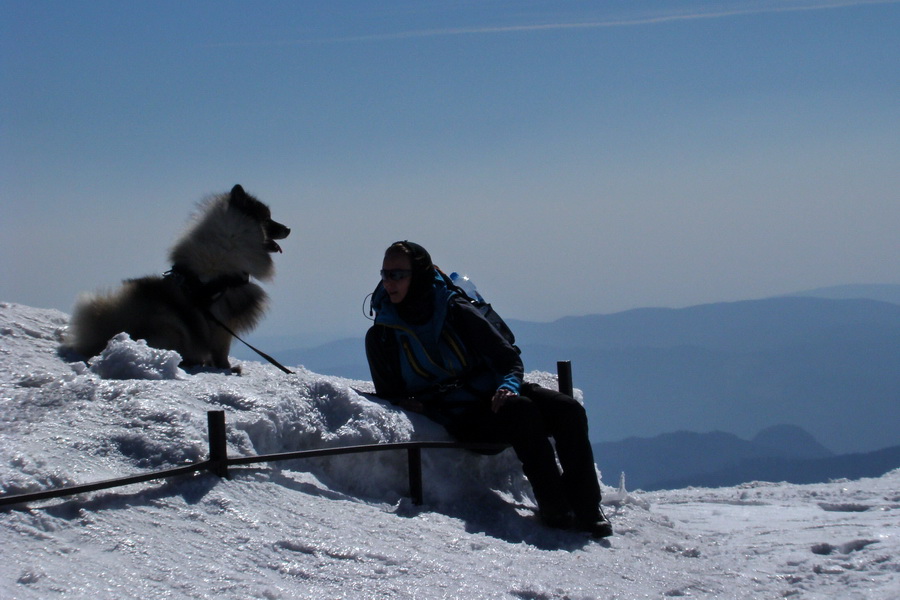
[239,199]
[247,204]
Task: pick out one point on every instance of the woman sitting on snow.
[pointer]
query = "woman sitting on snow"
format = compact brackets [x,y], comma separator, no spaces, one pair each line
[432,352]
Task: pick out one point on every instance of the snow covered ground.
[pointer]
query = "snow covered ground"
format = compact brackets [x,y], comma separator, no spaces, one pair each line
[342,527]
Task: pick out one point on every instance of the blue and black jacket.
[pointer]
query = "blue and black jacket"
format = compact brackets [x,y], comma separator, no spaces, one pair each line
[452,359]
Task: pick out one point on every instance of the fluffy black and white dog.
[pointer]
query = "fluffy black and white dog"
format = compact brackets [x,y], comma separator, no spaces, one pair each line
[230,240]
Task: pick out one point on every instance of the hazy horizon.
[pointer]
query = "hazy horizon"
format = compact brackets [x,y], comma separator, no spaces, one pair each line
[571,159]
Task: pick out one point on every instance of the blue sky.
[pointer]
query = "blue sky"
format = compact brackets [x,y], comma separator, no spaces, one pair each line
[572,158]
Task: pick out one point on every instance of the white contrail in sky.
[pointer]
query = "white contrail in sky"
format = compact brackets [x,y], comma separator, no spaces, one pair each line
[754,8]
[749,9]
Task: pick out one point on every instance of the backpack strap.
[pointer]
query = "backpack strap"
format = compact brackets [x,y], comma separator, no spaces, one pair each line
[486,310]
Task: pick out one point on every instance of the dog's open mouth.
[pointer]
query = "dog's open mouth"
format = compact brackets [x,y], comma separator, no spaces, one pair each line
[275,231]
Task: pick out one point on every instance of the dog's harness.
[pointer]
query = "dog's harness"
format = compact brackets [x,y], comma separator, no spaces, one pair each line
[203,294]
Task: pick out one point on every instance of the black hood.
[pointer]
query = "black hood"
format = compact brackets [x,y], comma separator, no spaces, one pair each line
[422,267]
[419,301]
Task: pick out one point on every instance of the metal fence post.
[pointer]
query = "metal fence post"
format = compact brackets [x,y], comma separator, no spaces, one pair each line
[414,461]
[564,377]
[218,450]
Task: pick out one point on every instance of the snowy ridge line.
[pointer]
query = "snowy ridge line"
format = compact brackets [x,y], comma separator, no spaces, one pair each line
[218,463]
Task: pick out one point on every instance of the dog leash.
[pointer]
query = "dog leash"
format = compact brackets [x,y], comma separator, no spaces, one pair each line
[258,351]
[205,294]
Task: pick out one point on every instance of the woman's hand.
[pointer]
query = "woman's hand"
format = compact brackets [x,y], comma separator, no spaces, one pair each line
[499,398]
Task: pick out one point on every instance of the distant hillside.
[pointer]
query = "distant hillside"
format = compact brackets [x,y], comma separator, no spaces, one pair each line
[885,292]
[717,459]
[846,466]
[831,366]
[749,325]
[344,358]
[688,455]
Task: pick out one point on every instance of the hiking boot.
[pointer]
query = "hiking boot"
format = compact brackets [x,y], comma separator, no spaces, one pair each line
[598,527]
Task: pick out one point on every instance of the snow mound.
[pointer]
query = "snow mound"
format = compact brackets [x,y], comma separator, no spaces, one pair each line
[134,407]
[125,358]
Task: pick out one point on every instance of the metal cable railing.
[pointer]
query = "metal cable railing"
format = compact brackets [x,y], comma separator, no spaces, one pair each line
[219,461]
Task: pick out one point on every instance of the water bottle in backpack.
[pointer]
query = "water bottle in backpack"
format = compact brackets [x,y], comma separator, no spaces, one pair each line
[465,284]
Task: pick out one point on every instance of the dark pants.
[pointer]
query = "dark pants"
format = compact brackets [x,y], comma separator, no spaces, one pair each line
[527,422]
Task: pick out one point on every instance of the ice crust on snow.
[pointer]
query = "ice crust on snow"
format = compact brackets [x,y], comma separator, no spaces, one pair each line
[124,358]
[343,527]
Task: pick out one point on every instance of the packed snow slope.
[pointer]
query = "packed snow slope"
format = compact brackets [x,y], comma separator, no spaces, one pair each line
[342,527]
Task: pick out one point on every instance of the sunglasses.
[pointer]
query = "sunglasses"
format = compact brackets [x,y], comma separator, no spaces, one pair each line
[395,274]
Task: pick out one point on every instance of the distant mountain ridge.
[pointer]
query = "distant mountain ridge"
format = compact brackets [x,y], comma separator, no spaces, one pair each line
[885,292]
[647,462]
[717,459]
[829,365]
[344,358]
[776,469]
[745,325]
[779,453]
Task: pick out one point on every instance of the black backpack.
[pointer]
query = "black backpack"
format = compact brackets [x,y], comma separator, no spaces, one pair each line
[486,310]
